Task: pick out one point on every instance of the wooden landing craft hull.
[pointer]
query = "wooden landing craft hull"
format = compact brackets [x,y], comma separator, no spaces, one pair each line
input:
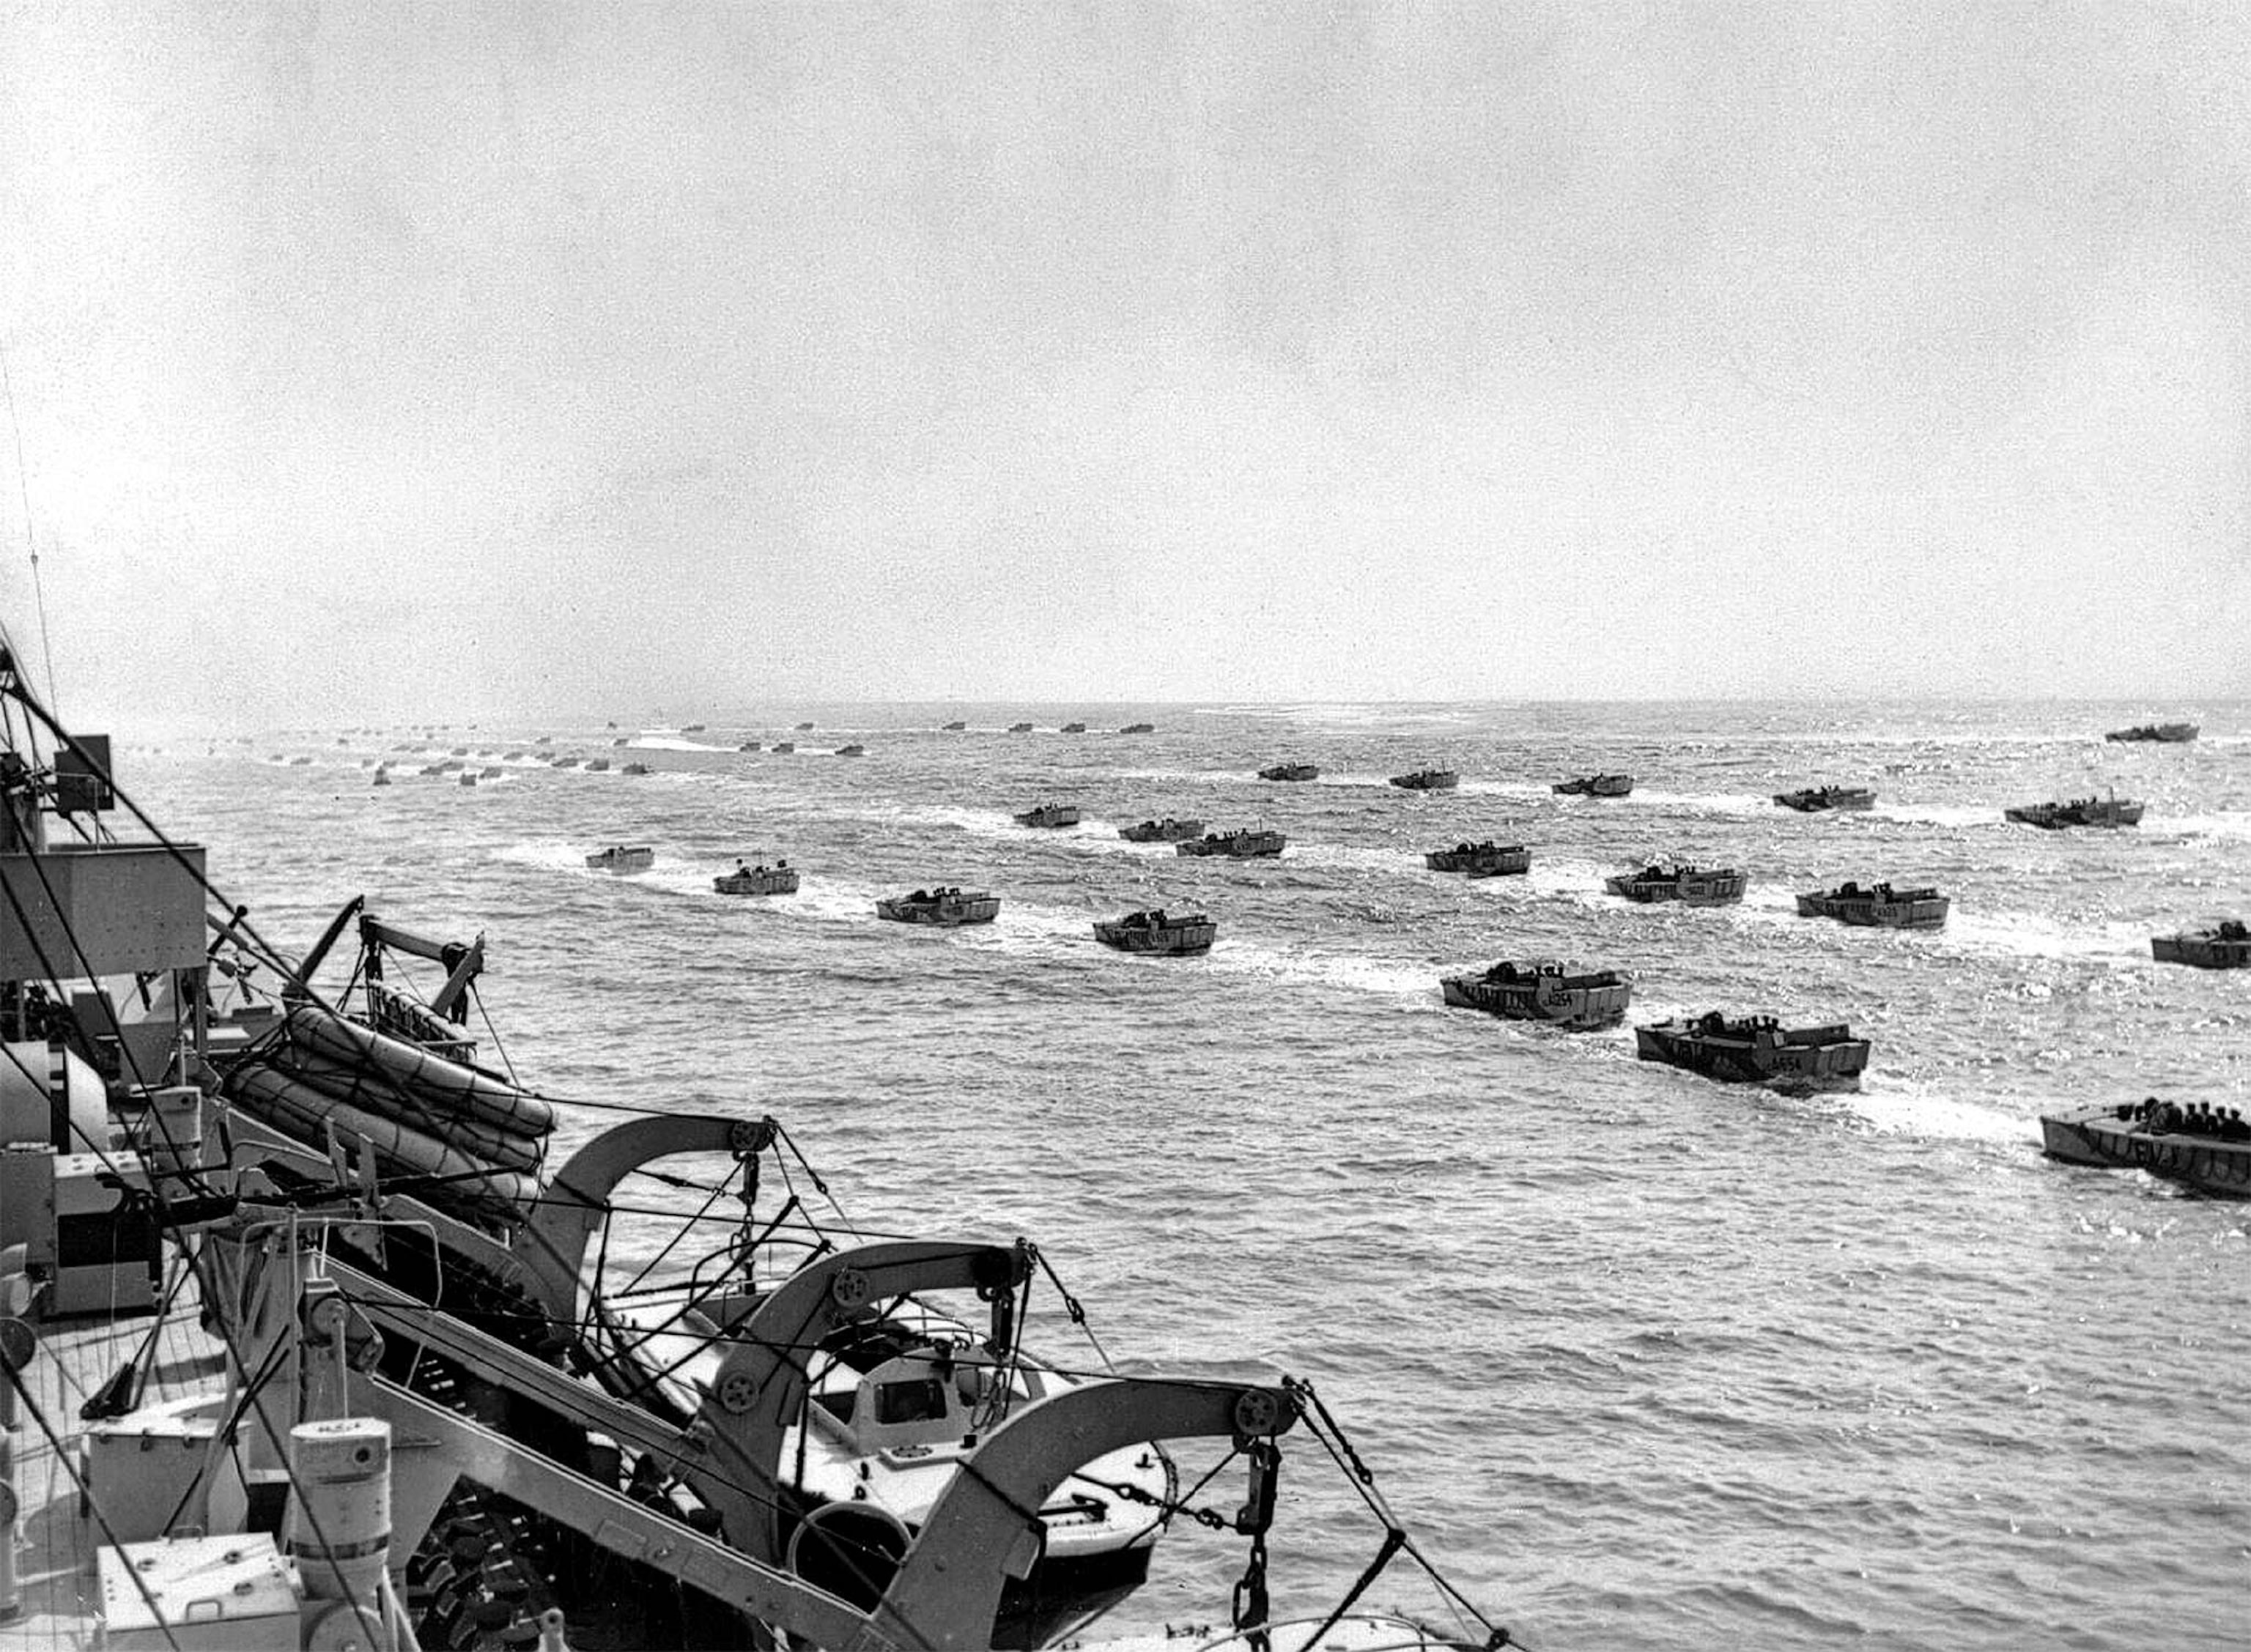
[1479,863]
[1735,1060]
[1250,846]
[2099,1138]
[630,861]
[2171,734]
[1877,915]
[1161,832]
[951,916]
[2055,818]
[756,883]
[1578,1009]
[1499,866]
[1175,941]
[1821,802]
[2201,951]
[1688,892]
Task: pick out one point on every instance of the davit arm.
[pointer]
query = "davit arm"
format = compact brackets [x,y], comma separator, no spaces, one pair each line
[949,1586]
[552,1245]
[760,1388]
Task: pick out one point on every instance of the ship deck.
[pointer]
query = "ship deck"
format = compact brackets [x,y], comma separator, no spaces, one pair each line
[60,1592]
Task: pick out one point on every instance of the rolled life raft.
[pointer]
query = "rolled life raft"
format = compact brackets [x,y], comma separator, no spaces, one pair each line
[425,1116]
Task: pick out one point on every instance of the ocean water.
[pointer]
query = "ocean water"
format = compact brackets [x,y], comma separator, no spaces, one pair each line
[1639,1359]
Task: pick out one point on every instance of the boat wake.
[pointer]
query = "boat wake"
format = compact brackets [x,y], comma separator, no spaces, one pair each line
[1355,781]
[1506,788]
[1581,881]
[1945,814]
[672,874]
[1893,1105]
[1727,803]
[1346,857]
[1309,967]
[673,743]
[2027,935]
[2203,826]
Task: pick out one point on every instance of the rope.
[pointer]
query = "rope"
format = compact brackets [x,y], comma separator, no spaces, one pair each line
[1393,1541]
[227,1430]
[31,540]
[1324,1427]
[493,1032]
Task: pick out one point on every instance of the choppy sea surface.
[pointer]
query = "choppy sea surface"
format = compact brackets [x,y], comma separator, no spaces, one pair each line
[1641,1360]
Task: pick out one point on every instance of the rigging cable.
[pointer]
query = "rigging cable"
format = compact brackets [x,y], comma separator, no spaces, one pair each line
[155,1192]
[69,1461]
[31,540]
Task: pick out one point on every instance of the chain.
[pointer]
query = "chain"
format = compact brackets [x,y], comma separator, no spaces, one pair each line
[1250,1596]
[1127,1493]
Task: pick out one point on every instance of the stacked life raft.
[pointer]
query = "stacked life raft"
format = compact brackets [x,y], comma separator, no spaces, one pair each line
[476,1136]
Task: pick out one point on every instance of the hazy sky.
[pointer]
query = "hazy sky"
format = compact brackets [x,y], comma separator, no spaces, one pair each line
[378,359]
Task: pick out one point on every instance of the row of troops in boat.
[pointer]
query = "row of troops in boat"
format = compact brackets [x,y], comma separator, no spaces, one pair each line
[2199,1118]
